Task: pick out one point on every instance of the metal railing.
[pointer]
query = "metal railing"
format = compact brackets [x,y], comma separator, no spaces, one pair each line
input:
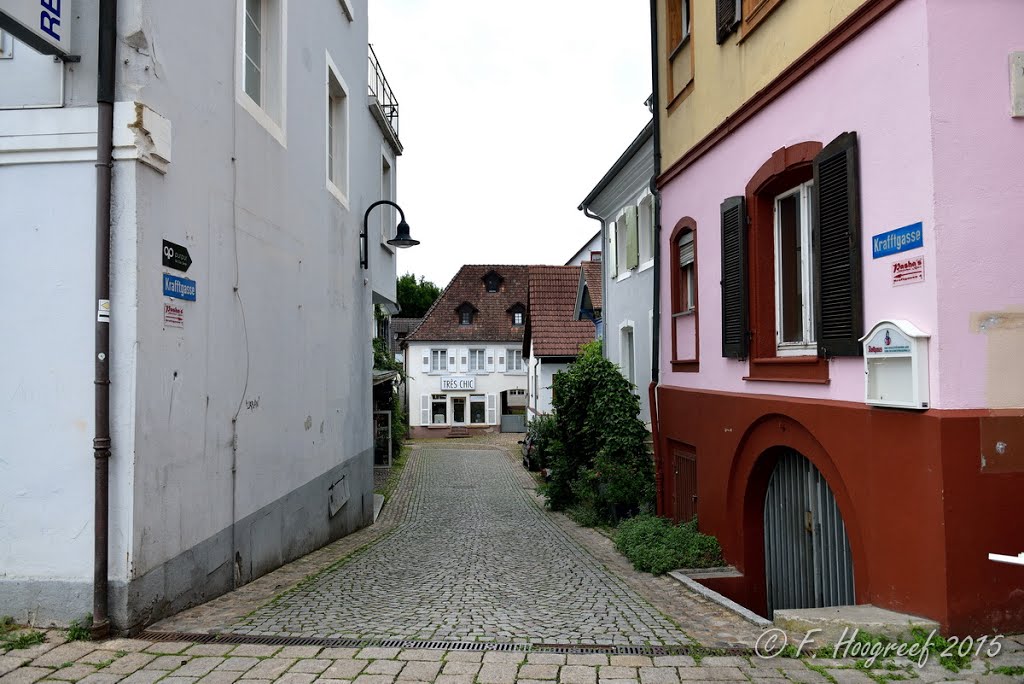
[381,89]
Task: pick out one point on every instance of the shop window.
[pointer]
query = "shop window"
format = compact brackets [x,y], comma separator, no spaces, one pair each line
[439,409]
[477,409]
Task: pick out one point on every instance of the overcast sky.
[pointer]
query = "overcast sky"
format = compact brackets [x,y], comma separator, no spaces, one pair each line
[509,115]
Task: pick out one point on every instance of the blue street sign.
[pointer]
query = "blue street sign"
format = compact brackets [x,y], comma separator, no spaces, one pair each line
[179,288]
[899,240]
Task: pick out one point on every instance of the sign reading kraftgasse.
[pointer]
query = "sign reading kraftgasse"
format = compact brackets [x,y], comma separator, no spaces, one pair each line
[899,240]
[452,383]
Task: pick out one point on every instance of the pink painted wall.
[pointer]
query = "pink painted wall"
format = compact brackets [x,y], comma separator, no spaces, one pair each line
[878,86]
[978,159]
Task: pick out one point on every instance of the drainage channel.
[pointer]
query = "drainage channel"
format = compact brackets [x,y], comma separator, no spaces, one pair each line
[609,649]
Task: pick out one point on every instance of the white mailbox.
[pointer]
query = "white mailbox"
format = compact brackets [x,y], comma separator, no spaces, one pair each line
[896,365]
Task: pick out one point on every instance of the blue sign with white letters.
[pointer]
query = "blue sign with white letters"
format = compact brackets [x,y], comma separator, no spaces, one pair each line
[179,288]
[899,240]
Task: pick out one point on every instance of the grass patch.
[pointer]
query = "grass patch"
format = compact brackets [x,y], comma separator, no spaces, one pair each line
[1011,670]
[80,630]
[11,641]
[397,466]
[656,546]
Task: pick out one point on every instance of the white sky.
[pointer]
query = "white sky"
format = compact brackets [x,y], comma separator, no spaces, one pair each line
[509,115]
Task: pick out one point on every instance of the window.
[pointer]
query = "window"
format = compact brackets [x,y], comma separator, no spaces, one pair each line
[646,230]
[477,409]
[626,352]
[387,192]
[517,318]
[337,136]
[438,360]
[439,409]
[514,360]
[679,48]
[260,64]
[465,317]
[492,281]
[794,279]
[477,360]
[678,12]
[687,282]
[755,11]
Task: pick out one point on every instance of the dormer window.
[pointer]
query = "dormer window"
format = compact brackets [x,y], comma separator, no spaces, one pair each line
[466,312]
[518,313]
[492,281]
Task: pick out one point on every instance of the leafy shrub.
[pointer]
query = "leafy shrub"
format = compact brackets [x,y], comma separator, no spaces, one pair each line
[656,546]
[542,432]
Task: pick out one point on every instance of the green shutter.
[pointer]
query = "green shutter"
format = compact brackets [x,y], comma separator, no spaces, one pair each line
[838,295]
[632,239]
[734,278]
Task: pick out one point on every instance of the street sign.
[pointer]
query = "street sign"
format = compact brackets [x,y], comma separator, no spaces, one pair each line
[179,288]
[176,257]
[43,25]
[899,240]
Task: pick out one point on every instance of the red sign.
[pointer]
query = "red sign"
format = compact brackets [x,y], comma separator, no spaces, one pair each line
[174,316]
[906,271]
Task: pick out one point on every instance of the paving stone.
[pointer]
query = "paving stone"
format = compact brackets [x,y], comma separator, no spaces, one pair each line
[253,681]
[538,671]
[73,673]
[167,662]
[25,675]
[711,674]
[632,661]
[179,680]
[168,647]
[674,661]
[271,668]
[659,675]
[143,677]
[209,649]
[497,673]
[102,678]
[299,652]
[420,671]
[385,667]
[805,676]
[619,681]
[220,677]
[198,667]
[344,669]
[546,658]
[296,678]
[65,653]
[464,657]
[586,659]
[98,657]
[375,653]
[335,653]
[8,663]
[850,677]
[456,679]
[238,664]
[421,654]
[255,650]
[455,667]
[373,679]
[321,680]
[34,651]
[578,674]
[724,661]
[507,657]
[311,665]
[617,672]
[127,645]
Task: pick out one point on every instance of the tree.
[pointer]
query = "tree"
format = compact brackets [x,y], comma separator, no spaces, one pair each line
[414,298]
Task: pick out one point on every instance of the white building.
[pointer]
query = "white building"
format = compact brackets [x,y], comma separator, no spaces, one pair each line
[246,132]
[465,364]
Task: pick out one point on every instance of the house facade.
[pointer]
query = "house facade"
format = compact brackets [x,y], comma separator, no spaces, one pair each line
[465,369]
[623,203]
[553,333]
[241,372]
[840,232]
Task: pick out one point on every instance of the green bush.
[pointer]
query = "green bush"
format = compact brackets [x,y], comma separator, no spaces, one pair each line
[656,546]
[542,433]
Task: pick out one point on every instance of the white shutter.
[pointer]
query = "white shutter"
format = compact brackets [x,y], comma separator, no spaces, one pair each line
[463,360]
[426,360]
[424,409]
[489,353]
[453,355]
[612,260]
[501,359]
[492,409]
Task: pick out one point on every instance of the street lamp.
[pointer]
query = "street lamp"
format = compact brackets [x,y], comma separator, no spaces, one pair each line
[401,239]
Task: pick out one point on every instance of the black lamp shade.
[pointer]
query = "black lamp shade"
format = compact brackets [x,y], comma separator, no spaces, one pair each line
[402,238]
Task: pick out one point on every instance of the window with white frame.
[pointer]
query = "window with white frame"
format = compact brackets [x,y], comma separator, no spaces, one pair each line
[387,192]
[477,409]
[794,277]
[646,229]
[626,353]
[439,409]
[438,360]
[517,318]
[514,360]
[337,134]
[477,360]
[262,56]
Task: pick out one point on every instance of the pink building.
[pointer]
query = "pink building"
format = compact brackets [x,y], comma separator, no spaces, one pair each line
[845,411]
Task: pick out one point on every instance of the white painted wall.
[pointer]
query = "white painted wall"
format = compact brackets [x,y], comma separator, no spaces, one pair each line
[542,375]
[424,383]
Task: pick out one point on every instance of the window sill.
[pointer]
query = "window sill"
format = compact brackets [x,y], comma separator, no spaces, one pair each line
[388,248]
[262,118]
[685,366]
[623,276]
[646,265]
[805,369]
[679,48]
[337,194]
[683,314]
[346,7]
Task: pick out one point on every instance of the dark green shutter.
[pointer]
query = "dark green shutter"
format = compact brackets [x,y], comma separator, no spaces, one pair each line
[734,278]
[727,18]
[838,296]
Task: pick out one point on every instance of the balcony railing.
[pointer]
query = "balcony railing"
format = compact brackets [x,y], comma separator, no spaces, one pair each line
[381,90]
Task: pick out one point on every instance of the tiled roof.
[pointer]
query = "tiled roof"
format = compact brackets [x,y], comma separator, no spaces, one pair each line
[552,308]
[592,275]
[404,325]
[492,320]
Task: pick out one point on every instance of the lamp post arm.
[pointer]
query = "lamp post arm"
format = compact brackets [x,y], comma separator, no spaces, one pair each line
[364,259]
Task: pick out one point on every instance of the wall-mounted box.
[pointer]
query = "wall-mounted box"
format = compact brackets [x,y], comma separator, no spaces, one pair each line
[896,365]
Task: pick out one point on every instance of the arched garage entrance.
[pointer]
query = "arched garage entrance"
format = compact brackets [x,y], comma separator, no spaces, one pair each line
[806,550]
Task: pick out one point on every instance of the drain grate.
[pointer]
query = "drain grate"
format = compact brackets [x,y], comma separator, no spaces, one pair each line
[609,649]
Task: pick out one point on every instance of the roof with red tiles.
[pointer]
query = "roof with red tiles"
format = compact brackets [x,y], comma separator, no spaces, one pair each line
[551,325]
[592,276]
[492,312]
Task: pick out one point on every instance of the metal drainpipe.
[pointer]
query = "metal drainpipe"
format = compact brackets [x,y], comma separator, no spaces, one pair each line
[604,290]
[106,63]
[656,323]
